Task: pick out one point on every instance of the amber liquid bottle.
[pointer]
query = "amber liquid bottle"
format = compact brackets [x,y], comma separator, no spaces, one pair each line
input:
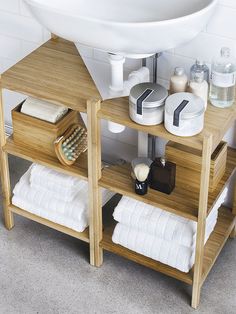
[162,175]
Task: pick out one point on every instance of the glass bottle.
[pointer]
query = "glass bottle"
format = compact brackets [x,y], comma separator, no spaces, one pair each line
[223,78]
[199,87]
[162,175]
[200,66]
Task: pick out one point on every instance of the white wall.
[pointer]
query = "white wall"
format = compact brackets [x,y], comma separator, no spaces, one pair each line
[20,34]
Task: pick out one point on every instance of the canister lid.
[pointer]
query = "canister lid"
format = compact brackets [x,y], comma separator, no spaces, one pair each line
[155,98]
[194,105]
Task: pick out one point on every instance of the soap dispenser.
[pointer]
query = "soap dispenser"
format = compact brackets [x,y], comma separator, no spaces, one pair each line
[178,81]
[162,175]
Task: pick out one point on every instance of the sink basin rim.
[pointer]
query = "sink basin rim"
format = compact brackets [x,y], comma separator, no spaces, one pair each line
[109,22]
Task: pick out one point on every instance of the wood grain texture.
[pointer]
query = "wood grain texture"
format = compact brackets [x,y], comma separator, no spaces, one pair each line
[79,169]
[212,248]
[233,233]
[53,72]
[39,135]
[5,177]
[181,201]
[201,224]
[217,122]
[84,236]
[94,174]
[188,165]
[217,240]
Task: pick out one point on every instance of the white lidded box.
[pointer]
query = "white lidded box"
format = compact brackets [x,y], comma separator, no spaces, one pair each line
[184,114]
[146,103]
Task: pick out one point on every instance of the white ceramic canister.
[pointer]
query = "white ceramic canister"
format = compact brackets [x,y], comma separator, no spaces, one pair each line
[184,114]
[146,103]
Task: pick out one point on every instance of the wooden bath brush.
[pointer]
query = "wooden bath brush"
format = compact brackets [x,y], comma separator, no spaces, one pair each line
[70,145]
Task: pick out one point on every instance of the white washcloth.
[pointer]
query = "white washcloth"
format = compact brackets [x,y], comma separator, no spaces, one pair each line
[160,223]
[64,186]
[43,110]
[166,252]
[70,214]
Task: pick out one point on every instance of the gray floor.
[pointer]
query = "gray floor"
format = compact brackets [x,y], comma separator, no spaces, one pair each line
[44,271]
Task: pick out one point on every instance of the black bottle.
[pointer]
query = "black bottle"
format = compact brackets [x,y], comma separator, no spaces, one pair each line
[162,175]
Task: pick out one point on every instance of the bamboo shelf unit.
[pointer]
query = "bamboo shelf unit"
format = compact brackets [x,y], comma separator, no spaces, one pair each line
[55,72]
[191,205]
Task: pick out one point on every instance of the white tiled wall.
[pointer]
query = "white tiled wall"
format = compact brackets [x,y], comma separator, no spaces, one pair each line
[20,34]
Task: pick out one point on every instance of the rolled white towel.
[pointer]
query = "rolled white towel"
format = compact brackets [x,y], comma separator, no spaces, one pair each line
[166,252]
[43,110]
[64,186]
[160,223]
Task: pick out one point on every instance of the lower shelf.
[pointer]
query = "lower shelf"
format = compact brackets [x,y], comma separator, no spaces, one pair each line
[213,247]
[84,236]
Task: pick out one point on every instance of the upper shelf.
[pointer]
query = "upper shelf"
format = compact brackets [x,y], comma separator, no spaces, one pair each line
[217,122]
[53,72]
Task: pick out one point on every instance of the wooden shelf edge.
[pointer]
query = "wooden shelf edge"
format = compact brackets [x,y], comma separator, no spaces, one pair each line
[44,160]
[216,242]
[83,236]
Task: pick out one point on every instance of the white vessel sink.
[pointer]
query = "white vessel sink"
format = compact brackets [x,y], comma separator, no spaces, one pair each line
[131,28]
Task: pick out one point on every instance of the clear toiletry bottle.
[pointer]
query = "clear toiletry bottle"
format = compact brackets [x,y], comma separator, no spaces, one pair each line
[199,87]
[223,78]
[200,66]
[178,81]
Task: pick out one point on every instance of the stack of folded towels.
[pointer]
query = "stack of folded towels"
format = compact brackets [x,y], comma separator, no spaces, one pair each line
[57,197]
[158,234]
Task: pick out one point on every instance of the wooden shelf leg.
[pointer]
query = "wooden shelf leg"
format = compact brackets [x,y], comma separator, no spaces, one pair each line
[94,174]
[5,178]
[233,233]
[201,224]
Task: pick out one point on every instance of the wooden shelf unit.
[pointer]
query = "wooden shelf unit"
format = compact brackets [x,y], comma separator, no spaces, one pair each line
[195,206]
[55,72]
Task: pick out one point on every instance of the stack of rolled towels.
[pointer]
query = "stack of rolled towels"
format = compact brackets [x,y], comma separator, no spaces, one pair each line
[58,197]
[158,234]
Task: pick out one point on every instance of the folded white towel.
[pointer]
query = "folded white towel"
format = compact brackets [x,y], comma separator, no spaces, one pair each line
[166,252]
[160,223]
[43,110]
[64,186]
[47,206]
[78,225]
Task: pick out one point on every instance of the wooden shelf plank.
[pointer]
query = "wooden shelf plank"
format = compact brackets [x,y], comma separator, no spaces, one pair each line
[217,240]
[84,236]
[212,249]
[108,245]
[217,122]
[79,169]
[53,72]
[180,202]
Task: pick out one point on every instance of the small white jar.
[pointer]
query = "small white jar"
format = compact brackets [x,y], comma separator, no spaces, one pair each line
[184,114]
[146,103]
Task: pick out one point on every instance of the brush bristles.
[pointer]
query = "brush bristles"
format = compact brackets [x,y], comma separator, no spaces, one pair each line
[74,144]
